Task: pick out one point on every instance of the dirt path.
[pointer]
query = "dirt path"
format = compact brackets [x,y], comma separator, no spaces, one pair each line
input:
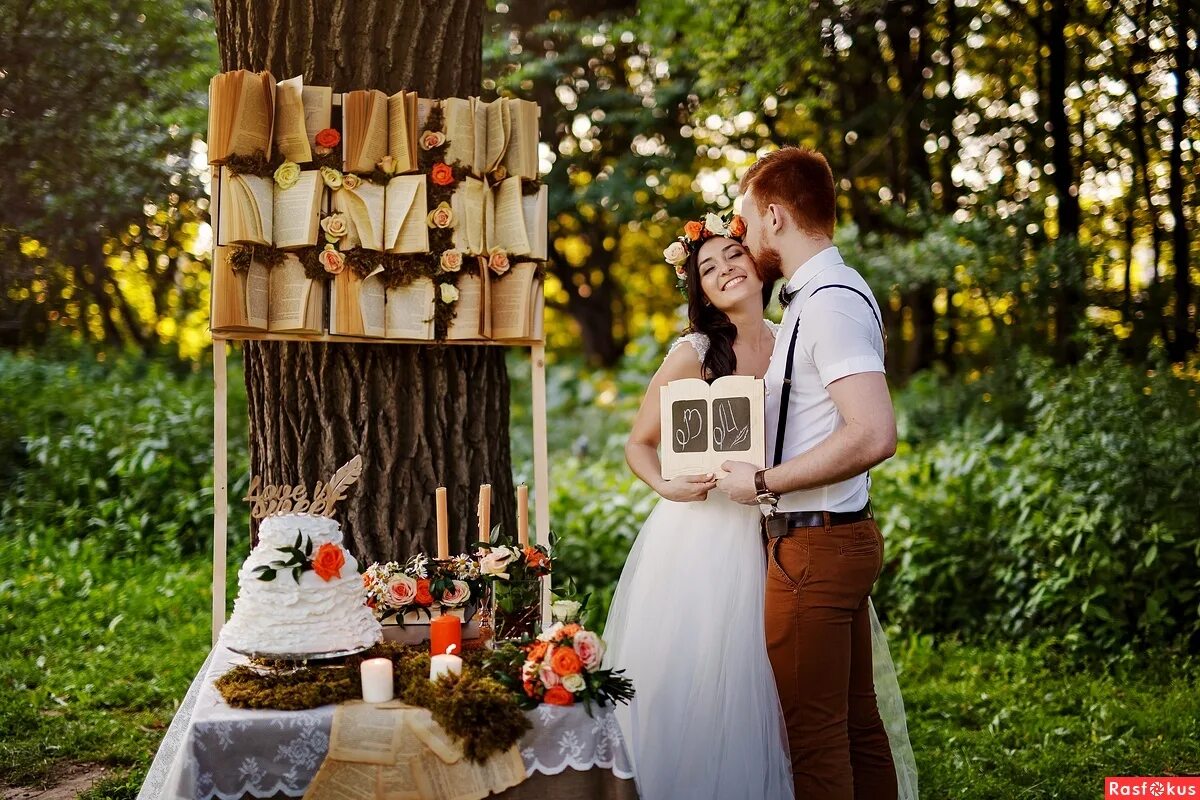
[72,782]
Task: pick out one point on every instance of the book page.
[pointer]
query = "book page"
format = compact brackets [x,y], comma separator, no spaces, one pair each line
[468,203]
[479,115]
[685,427]
[508,229]
[460,131]
[510,301]
[314,309]
[251,122]
[371,297]
[738,419]
[297,211]
[342,780]
[409,310]
[521,159]
[291,137]
[365,122]
[365,734]
[289,290]
[318,111]
[399,129]
[534,209]
[396,781]
[434,736]
[425,107]
[258,295]
[345,316]
[227,302]
[466,780]
[245,211]
[261,192]
[469,310]
[365,208]
[405,208]
[498,122]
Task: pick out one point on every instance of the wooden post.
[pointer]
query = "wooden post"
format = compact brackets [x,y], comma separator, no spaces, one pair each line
[220,485]
[541,464]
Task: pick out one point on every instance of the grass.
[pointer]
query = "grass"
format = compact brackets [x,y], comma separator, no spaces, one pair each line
[98,652]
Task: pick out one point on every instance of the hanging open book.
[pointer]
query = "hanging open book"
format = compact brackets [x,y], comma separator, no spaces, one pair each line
[704,425]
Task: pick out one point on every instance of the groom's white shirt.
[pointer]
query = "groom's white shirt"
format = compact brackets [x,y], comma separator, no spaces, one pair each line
[838,337]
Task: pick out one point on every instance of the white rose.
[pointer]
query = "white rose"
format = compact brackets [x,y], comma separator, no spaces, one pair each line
[335,226]
[458,594]
[495,562]
[549,634]
[332,178]
[351,181]
[565,610]
[715,225]
[449,293]
[574,683]
[676,254]
[590,649]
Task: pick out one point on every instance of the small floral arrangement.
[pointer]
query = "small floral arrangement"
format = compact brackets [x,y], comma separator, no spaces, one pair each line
[695,233]
[327,562]
[421,585]
[507,563]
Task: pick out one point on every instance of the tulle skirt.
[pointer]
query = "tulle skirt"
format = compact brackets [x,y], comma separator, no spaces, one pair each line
[686,625]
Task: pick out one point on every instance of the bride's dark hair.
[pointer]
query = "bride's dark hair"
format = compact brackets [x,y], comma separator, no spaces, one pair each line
[704,317]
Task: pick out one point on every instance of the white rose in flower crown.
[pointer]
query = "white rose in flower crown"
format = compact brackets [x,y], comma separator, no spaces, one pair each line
[332,178]
[590,649]
[549,634]
[351,181]
[452,261]
[287,174]
[676,254]
[432,139]
[565,610]
[457,594]
[715,225]
[449,293]
[574,683]
[401,590]
[335,226]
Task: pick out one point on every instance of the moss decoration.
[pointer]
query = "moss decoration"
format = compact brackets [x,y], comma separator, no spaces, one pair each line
[474,707]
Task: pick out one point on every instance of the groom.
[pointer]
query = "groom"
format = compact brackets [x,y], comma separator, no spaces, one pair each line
[829,420]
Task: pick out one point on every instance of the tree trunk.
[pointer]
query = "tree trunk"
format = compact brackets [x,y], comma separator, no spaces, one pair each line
[420,416]
[1183,333]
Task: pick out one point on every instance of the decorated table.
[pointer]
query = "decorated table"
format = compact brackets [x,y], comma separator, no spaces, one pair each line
[213,750]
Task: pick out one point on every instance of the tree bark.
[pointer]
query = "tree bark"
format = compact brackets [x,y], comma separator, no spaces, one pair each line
[1183,333]
[420,416]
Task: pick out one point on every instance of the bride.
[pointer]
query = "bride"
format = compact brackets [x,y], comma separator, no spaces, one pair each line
[686,621]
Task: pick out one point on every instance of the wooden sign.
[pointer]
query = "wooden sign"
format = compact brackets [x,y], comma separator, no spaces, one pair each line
[270,500]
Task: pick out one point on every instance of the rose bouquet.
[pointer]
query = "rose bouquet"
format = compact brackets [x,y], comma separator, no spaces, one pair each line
[422,586]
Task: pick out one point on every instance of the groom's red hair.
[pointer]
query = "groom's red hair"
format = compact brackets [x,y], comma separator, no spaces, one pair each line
[799,181]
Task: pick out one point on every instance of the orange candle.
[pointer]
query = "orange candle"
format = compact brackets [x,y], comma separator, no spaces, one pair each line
[445,631]
[523,515]
[485,512]
[443,524]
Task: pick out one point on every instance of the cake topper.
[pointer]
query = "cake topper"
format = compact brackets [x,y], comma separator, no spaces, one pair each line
[271,499]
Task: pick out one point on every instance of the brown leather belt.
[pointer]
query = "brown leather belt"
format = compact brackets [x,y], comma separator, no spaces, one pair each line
[819,519]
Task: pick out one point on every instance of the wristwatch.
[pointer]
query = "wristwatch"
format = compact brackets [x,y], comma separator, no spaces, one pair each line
[765,496]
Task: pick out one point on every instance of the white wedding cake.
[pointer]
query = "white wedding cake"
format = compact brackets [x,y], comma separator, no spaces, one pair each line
[322,612]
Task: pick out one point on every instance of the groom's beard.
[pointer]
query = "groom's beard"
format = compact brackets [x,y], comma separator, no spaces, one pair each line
[769,263]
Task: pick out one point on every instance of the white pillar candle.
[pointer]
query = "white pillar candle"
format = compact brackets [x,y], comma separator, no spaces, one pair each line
[445,664]
[376,680]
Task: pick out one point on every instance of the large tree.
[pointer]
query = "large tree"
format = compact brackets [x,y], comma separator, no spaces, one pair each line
[421,416]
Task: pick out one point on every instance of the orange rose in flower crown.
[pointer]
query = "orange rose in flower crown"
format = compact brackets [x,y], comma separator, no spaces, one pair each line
[328,561]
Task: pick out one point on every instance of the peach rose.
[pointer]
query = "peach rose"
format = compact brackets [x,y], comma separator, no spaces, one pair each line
[693,229]
[328,137]
[423,597]
[565,661]
[498,261]
[457,594]
[401,590]
[333,261]
[442,174]
[328,561]
[590,649]
[452,261]
[442,216]
[558,696]
[335,226]
[676,254]
[351,181]
[432,139]
[548,676]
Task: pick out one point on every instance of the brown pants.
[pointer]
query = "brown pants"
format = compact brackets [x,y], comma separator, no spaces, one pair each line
[819,641]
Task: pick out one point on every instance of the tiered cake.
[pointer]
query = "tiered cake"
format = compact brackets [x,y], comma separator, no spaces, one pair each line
[320,613]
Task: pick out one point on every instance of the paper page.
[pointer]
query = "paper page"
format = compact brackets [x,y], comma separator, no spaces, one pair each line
[739,419]
[318,111]
[398,132]
[479,115]
[534,210]
[466,780]
[522,156]
[364,207]
[291,138]
[434,736]
[425,107]
[345,316]
[409,310]
[252,121]
[460,131]
[469,308]
[685,428]
[262,195]
[498,127]
[468,204]
[510,303]
[365,734]
[371,298]
[288,292]
[508,229]
[227,302]
[405,228]
[342,780]
[314,308]
[297,211]
[258,295]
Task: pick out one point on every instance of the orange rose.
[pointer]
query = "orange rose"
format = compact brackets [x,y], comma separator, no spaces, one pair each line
[537,651]
[565,661]
[570,630]
[536,558]
[558,696]
[530,689]
[737,226]
[442,174]
[423,598]
[693,229]
[328,138]
[328,561]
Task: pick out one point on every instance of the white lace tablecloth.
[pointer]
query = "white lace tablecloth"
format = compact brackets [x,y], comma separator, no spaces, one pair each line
[213,750]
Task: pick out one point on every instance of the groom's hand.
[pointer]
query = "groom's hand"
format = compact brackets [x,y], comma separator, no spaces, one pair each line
[739,483]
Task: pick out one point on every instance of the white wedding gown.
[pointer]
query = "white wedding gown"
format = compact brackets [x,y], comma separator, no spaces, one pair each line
[686,625]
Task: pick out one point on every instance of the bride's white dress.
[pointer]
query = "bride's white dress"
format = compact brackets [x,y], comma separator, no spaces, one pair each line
[686,625]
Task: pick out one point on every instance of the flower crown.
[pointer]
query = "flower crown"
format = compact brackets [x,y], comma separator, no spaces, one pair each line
[695,233]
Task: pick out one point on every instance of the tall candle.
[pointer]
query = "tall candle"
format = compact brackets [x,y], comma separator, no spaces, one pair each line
[445,632]
[523,514]
[485,512]
[446,664]
[443,524]
[376,680]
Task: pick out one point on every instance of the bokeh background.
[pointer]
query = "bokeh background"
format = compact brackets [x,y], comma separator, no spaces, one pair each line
[1017,182]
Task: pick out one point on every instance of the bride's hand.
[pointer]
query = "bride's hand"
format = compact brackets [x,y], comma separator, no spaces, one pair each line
[687,488]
